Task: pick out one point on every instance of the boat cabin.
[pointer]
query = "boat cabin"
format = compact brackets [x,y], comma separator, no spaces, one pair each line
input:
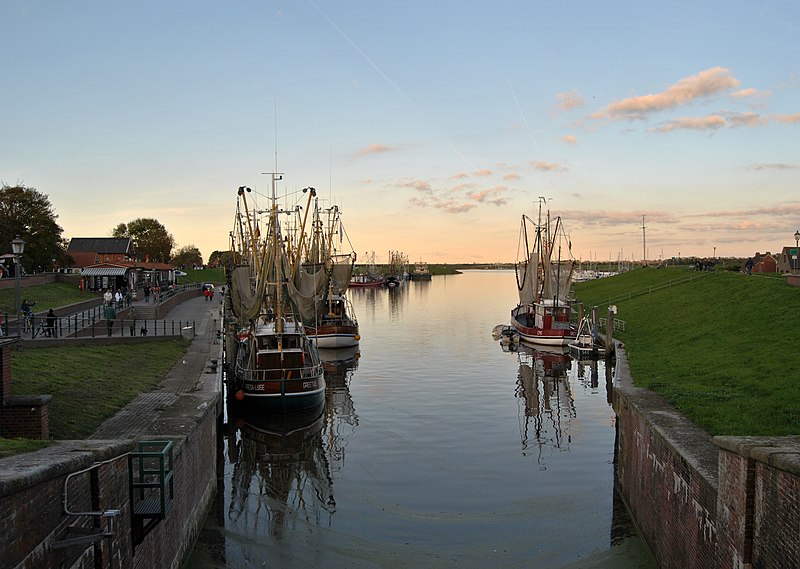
[549,315]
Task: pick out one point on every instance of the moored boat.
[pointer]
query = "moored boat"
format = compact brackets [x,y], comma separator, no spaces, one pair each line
[543,281]
[271,363]
[335,327]
[420,272]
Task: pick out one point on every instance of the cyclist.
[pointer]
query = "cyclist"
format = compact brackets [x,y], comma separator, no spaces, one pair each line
[27,313]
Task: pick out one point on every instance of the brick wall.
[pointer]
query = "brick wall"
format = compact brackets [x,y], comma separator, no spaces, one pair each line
[25,416]
[673,502]
[5,370]
[32,517]
[730,502]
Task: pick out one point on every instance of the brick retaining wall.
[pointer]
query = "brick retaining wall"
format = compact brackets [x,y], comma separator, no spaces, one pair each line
[701,502]
[32,517]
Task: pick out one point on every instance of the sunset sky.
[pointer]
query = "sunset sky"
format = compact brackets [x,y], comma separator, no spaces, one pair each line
[432,124]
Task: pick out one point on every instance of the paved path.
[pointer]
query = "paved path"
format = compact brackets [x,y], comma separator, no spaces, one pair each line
[187,384]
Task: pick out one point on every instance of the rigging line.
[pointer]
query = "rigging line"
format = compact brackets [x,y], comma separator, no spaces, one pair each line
[394,85]
[525,120]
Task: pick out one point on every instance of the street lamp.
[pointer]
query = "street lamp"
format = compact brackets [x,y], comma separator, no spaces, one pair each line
[796,247]
[17,247]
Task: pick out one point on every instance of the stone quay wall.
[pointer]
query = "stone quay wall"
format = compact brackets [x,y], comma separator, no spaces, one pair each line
[701,502]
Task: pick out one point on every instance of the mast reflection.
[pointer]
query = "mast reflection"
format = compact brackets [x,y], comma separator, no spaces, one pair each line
[281,473]
[546,402]
[340,413]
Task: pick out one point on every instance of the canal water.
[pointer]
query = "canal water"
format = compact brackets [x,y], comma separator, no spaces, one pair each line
[435,448]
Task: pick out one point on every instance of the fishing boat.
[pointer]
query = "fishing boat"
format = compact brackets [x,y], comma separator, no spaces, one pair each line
[544,271]
[420,272]
[368,277]
[397,271]
[333,323]
[335,327]
[271,362]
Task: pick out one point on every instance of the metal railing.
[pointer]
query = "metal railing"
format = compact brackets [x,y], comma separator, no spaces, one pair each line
[91,324]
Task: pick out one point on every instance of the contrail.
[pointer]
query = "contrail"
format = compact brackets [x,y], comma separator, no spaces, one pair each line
[525,120]
[393,84]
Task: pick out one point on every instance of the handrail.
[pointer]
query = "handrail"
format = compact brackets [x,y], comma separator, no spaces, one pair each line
[652,289]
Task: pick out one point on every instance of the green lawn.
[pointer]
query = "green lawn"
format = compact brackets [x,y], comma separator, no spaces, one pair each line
[722,348]
[46,296]
[89,384]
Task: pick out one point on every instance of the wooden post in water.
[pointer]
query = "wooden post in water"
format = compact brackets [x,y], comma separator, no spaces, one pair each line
[580,313]
[610,331]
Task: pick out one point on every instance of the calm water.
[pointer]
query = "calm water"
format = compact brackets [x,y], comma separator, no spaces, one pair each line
[435,449]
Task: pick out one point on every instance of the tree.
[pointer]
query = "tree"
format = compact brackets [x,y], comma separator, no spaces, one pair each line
[28,213]
[187,255]
[151,240]
[218,258]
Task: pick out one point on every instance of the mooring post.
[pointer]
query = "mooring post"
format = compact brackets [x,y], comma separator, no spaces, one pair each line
[610,331]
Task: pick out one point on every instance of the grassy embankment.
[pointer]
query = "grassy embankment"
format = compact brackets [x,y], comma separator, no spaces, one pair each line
[88,384]
[722,348]
[45,296]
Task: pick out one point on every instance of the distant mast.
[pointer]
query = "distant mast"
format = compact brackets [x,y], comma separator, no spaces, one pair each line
[644,244]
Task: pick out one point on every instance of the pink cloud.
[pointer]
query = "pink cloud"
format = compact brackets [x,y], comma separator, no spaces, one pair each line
[511,176]
[459,176]
[788,119]
[704,84]
[548,166]
[569,139]
[483,172]
[491,195]
[419,185]
[746,119]
[710,122]
[569,101]
[375,149]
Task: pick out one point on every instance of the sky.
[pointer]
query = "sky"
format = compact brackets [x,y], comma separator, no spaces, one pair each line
[433,125]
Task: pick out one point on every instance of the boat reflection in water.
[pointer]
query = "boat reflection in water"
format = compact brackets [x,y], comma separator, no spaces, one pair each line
[545,388]
[340,414]
[281,473]
[278,481]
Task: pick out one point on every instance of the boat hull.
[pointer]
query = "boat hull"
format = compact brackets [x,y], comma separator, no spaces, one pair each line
[544,335]
[366,283]
[284,395]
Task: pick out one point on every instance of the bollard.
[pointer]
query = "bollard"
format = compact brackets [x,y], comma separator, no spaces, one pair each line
[612,310]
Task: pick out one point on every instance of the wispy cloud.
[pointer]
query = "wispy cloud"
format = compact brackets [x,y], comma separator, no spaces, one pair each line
[710,122]
[375,149]
[704,84]
[773,166]
[491,195]
[419,185]
[483,173]
[787,119]
[548,166]
[511,176]
[569,139]
[569,101]
[447,205]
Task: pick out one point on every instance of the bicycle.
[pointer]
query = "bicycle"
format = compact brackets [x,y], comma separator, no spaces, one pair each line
[27,323]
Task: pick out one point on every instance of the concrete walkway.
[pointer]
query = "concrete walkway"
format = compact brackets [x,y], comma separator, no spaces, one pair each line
[190,385]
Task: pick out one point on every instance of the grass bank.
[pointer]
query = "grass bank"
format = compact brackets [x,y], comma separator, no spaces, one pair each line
[46,296]
[88,384]
[723,347]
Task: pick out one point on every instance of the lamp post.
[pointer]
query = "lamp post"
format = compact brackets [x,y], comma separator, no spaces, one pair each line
[17,247]
[796,247]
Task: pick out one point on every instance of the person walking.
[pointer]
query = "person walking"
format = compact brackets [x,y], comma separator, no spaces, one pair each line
[132,315]
[147,293]
[50,324]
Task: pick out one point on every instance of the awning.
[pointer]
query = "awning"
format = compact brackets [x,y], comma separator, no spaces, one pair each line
[104,272]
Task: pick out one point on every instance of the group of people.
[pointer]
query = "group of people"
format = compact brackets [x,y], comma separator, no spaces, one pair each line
[117,298]
[26,310]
